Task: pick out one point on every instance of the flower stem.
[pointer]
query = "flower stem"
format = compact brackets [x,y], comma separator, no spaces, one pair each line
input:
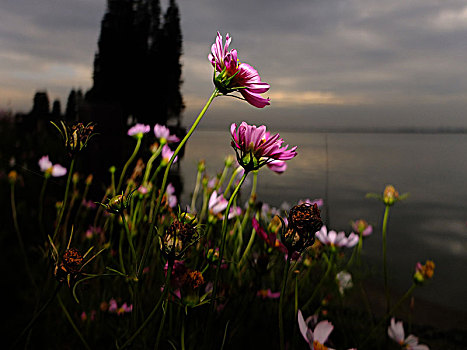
[385,268]
[41,207]
[67,314]
[389,313]
[37,314]
[224,235]
[318,287]
[246,217]
[180,146]
[149,165]
[65,198]
[196,190]
[130,240]
[133,155]
[156,307]
[281,302]
[18,234]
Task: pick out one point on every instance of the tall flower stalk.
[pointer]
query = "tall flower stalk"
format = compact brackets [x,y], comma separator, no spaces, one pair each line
[180,146]
[65,198]
[223,238]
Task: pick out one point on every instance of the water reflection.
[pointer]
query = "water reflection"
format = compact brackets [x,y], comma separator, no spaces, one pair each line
[430,224]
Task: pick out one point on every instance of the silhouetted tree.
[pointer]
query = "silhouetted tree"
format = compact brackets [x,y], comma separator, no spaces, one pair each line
[74,105]
[56,109]
[41,104]
[171,54]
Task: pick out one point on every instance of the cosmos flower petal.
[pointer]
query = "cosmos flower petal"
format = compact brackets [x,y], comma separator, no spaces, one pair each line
[303,326]
[322,331]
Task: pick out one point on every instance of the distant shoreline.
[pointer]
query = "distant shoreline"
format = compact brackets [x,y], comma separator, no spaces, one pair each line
[367,130]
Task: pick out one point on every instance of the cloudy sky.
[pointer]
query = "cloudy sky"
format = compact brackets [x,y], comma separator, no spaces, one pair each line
[329,62]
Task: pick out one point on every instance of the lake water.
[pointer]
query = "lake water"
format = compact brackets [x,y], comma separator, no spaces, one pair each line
[342,167]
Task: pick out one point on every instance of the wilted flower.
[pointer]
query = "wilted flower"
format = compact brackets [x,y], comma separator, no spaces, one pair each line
[138,130]
[362,227]
[76,138]
[423,272]
[303,222]
[235,76]
[317,336]
[50,169]
[396,333]
[163,134]
[269,237]
[334,239]
[255,147]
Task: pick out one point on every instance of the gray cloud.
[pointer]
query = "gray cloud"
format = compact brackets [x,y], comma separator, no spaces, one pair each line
[361,57]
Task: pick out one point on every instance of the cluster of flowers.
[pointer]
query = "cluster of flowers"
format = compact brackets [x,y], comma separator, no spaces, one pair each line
[208,253]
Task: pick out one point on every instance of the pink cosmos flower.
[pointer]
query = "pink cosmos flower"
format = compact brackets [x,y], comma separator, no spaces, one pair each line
[163,134]
[319,201]
[363,227]
[138,130]
[266,293]
[167,153]
[236,76]
[332,238]
[171,198]
[269,238]
[217,203]
[50,169]
[396,333]
[319,335]
[256,147]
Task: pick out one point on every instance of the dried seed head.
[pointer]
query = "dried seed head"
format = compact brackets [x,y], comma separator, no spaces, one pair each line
[305,217]
[303,222]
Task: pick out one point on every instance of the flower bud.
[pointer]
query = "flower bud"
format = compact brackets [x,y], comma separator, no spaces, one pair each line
[89,180]
[390,195]
[12,177]
[423,272]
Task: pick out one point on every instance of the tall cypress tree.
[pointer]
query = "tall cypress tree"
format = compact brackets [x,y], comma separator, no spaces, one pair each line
[171,54]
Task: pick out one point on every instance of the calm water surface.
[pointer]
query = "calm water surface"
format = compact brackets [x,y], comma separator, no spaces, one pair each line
[342,168]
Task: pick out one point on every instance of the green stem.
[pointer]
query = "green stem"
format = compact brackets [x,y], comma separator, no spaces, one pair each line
[281,302]
[385,268]
[161,325]
[36,316]
[41,206]
[196,190]
[67,314]
[180,146]
[248,247]
[18,235]
[224,235]
[389,313]
[251,202]
[149,165]
[130,240]
[182,335]
[318,287]
[133,155]
[156,307]
[65,198]
[232,178]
